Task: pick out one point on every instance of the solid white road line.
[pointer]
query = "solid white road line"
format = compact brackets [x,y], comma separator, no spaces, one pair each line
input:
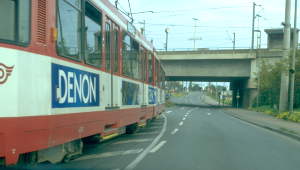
[157,147]
[174,131]
[145,133]
[109,154]
[137,160]
[181,123]
[133,141]
[153,127]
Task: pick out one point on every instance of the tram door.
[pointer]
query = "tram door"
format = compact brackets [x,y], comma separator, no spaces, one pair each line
[112,63]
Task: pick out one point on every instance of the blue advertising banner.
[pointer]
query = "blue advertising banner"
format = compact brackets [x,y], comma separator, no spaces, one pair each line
[152,95]
[73,87]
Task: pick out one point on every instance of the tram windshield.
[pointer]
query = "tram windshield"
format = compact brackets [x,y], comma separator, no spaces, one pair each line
[14,19]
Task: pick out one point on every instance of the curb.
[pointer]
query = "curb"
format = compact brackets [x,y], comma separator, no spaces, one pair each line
[202,106]
[293,136]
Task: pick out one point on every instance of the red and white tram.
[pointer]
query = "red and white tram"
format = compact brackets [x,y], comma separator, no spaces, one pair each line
[71,70]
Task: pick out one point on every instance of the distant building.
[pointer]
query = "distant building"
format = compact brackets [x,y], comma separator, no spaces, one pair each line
[275,38]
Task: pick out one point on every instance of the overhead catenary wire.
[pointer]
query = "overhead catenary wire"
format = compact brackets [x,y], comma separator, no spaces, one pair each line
[197,9]
[180,30]
[129,5]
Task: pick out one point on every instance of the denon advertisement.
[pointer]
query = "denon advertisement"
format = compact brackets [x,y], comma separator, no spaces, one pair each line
[73,87]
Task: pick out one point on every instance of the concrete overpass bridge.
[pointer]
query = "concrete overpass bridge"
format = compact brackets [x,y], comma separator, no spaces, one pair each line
[239,67]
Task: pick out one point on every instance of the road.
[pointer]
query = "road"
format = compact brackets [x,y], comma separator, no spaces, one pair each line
[193,138]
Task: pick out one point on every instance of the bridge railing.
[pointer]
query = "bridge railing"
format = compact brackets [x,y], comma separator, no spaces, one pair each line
[217,51]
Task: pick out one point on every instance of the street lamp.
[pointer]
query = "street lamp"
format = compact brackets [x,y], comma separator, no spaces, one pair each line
[194,36]
[167,37]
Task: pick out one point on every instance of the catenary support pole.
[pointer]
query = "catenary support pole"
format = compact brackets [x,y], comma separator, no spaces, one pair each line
[292,69]
[284,84]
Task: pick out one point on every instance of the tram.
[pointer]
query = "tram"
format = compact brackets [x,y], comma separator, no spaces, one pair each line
[71,71]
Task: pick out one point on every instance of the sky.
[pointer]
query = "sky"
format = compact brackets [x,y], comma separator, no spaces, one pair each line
[217,20]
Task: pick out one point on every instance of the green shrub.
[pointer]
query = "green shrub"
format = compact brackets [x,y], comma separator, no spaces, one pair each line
[284,115]
[295,117]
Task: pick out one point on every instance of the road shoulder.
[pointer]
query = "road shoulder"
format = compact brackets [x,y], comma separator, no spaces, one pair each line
[286,128]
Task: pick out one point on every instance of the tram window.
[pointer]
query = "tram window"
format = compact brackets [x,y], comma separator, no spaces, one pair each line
[69,32]
[126,53]
[157,71]
[15,20]
[143,65]
[135,60]
[74,2]
[150,68]
[116,51]
[107,46]
[130,93]
[130,61]
[93,36]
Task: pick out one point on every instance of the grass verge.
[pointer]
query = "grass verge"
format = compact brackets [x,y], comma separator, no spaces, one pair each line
[294,117]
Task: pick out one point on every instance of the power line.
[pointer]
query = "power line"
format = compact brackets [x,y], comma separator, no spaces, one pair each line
[183,25]
[197,9]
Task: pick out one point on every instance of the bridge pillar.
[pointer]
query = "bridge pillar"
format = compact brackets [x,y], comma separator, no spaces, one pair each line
[250,86]
[249,95]
[237,93]
[243,93]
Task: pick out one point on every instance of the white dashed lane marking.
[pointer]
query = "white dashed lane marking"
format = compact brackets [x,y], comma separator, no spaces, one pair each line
[174,131]
[181,123]
[157,147]
[142,155]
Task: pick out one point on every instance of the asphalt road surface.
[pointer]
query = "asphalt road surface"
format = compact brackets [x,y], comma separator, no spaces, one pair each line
[192,138]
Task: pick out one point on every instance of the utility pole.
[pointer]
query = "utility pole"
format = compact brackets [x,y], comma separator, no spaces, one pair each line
[167,37]
[258,43]
[144,27]
[292,69]
[253,25]
[233,42]
[195,30]
[284,84]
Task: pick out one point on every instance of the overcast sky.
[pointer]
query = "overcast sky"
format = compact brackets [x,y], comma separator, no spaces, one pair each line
[218,19]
